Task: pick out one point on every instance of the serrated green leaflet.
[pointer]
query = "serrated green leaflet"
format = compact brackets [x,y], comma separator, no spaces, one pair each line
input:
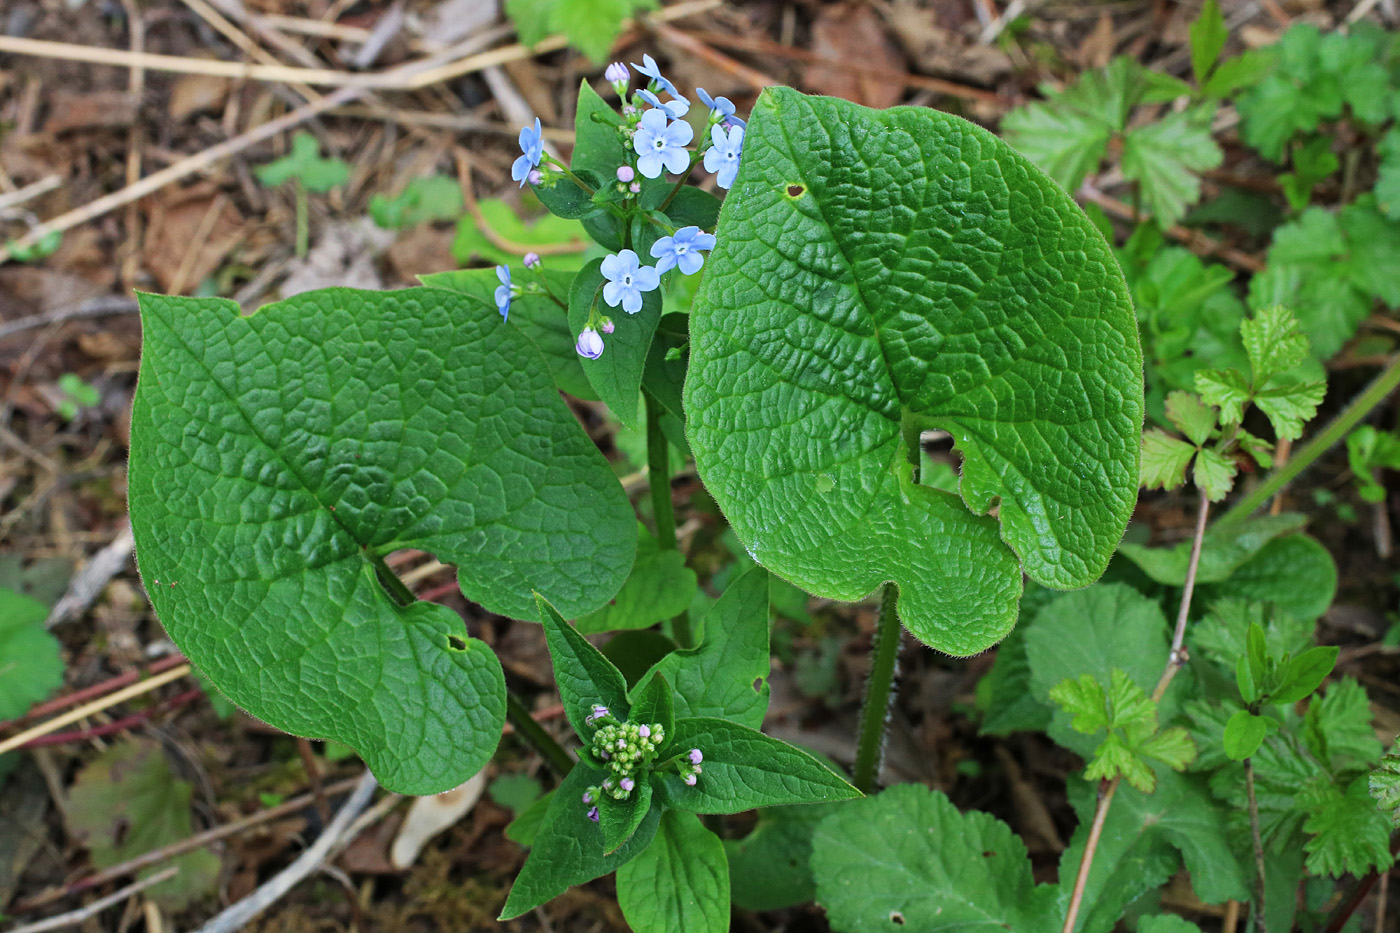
[879,273]
[568,847]
[275,459]
[681,881]
[907,859]
[744,769]
[1385,784]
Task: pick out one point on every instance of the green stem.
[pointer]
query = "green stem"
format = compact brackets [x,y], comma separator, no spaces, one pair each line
[568,173]
[559,760]
[879,693]
[1360,407]
[679,184]
[303,222]
[659,475]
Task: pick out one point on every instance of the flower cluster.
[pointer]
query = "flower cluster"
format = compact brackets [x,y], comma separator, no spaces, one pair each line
[657,138]
[628,748]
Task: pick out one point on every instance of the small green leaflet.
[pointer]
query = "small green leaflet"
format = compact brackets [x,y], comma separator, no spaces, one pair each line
[1208,36]
[1367,451]
[591,26]
[304,163]
[1349,835]
[680,882]
[1385,784]
[432,197]
[819,345]
[277,458]
[30,664]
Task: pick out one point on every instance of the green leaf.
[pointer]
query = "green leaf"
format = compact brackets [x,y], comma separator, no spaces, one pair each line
[1274,342]
[1312,162]
[567,198]
[277,458]
[304,163]
[1165,158]
[1388,179]
[1084,700]
[543,321]
[1289,407]
[1244,679]
[592,26]
[1221,635]
[653,703]
[907,858]
[1214,474]
[1384,784]
[1164,459]
[1167,923]
[30,664]
[1113,758]
[820,342]
[717,678]
[1223,552]
[422,200]
[769,869]
[1244,733]
[526,825]
[1173,747]
[1305,673]
[515,792]
[619,819]
[127,802]
[1129,704]
[1349,835]
[1338,729]
[1191,416]
[1208,34]
[616,375]
[471,243]
[583,675]
[1065,143]
[598,143]
[568,848]
[530,18]
[1227,390]
[1295,573]
[1004,693]
[744,769]
[1369,450]
[680,882]
[659,587]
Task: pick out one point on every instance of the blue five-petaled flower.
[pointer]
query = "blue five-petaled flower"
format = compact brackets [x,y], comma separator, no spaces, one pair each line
[721,108]
[723,157]
[627,279]
[653,71]
[675,109]
[682,250]
[532,145]
[661,144]
[503,291]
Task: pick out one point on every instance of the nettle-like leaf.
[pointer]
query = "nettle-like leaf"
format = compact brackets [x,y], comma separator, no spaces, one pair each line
[879,273]
[680,882]
[1385,784]
[277,458]
[907,859]
[1348,834]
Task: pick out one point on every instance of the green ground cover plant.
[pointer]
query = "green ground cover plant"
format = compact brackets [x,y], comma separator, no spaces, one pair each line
[869,276]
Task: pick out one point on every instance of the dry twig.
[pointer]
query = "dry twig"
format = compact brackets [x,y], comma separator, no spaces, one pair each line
[83,914]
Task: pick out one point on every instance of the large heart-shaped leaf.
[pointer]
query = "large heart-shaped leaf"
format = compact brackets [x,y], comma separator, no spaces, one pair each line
[881,273]
[277,458]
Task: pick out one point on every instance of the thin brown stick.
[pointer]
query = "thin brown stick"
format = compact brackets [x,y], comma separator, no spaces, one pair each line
[97,706]
[29,192]
[692,44]
[1106,791]
[156,856]
[118,725]
[95,307]
[1178,655]
[1261,923]
[83,914]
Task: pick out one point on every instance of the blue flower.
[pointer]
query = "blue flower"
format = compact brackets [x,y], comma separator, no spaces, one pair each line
[719,106]
[627,279]
[503,291]
[723,157]
[653,71]
[532,144]
[590,347]
[675,109]
[683,250]
[659,144]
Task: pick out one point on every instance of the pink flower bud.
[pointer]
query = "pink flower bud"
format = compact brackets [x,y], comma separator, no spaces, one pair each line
[534,177]
[695,756]
[626,173]
[608,325]
[532,260]
[635,187]
[689,780]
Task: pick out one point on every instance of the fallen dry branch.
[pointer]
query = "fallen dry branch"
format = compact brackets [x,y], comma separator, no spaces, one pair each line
[83,914]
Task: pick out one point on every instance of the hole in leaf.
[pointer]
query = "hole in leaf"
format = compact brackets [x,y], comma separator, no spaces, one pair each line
[757,684]
[456,643]
[796,191]
[897,918]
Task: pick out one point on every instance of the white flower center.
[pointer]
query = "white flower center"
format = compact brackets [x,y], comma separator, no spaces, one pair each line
[659,144]
[681,249]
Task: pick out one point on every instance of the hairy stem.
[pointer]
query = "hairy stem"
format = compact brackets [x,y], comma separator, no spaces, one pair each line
[879,693]
[1359,408]
[1106,791]
[559,760]
[1261,924]
[1177,657]
[659,475]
